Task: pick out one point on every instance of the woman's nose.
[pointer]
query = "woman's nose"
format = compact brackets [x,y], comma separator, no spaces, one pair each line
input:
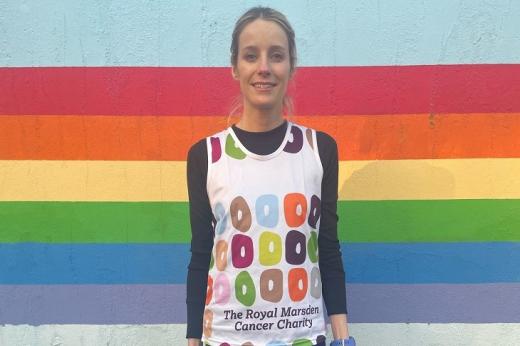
[264,67]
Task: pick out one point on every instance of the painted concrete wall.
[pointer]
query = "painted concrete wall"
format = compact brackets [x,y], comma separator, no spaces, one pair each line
[100,101]
[329,33]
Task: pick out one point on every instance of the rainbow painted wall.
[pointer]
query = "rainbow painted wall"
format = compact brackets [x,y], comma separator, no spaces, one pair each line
[100,101]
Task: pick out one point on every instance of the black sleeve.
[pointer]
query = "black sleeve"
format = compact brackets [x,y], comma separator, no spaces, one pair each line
[201,238]
[331,264]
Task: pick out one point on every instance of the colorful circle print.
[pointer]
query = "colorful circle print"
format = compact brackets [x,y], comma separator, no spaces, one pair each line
[308,134]
[233,150]
[221,249]
[245,291]
[207,326]
[296,143]
[315,283]
[242,251]
[267,210]
[240,214]
[221,218]
[271,285]
[298,284]
[315,211]
[270,248]
[222,289]
[295,209]
[209,290]
[295,248]
[211,261]
[216,150]
[312,247]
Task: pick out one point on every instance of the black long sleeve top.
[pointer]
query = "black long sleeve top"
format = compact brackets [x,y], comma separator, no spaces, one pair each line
[201,216]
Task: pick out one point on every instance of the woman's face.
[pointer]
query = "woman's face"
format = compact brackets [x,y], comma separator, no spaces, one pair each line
[263,65]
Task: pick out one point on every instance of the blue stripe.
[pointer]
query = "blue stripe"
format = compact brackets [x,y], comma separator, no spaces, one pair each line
[185,33]
[432,262]
[37,263]
[31,263]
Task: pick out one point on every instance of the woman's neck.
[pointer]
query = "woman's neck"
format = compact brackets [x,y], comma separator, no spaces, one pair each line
[260,121]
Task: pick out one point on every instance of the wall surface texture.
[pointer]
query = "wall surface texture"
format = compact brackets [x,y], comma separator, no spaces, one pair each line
[101,100]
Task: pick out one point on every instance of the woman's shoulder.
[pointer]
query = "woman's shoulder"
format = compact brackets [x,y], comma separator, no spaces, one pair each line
[323,136]
[324,139]
[200,147]
[327,148]
[197,150]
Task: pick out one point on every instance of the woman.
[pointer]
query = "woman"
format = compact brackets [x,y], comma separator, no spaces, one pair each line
[263,197]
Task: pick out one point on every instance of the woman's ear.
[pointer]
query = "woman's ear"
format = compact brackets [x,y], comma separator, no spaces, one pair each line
[234,72]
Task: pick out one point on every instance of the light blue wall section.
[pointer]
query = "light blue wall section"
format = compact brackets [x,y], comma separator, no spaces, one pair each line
[197,33]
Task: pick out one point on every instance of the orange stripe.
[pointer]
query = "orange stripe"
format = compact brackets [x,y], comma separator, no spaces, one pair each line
[359,137]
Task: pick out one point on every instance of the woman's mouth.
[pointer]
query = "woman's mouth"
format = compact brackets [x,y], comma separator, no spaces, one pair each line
[263,85]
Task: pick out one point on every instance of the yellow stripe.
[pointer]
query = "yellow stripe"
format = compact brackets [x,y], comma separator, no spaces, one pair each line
[429,179]
[93,181]
[166,180]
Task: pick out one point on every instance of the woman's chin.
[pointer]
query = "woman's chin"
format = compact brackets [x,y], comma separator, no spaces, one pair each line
[266,105]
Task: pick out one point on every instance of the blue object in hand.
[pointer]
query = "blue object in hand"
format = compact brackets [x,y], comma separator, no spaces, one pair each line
[344,342]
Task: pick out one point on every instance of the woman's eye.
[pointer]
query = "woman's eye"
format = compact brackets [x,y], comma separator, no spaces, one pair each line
[277,57]
[250,57]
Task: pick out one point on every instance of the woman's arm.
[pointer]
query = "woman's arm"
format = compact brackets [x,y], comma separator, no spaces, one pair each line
[331,264]
[201,241]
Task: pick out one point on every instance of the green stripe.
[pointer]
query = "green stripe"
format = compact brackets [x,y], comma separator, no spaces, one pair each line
[430,220]
[167,222]
[94,222]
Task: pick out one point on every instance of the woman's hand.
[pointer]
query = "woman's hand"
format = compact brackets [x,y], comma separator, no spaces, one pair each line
[193,342]
[339,326]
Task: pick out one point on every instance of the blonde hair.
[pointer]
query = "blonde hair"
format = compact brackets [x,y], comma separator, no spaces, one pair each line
[269,14]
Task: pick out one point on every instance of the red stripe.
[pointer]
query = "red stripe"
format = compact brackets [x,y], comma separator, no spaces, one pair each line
[210,91]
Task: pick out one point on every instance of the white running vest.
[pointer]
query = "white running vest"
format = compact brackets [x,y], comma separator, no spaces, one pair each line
[264,284]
